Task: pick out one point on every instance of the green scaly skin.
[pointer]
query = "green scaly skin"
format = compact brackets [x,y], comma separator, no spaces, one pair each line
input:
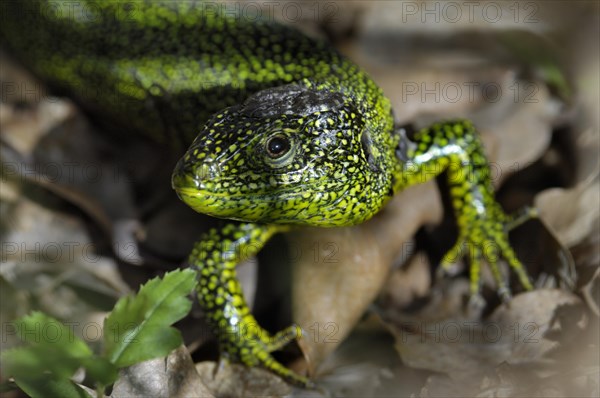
[299,135]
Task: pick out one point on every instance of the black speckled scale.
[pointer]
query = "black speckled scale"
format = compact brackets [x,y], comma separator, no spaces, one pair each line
[282,130]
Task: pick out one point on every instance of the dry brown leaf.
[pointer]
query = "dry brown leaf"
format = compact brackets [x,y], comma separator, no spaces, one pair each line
[443,386]
[572,213]
[338,272]
[439,85]
[407,284]
[402,18]
[234,380]
[591,292]
[22,129]
[365,364]
[529,316]
[49,263]
[520,124]
[173,376]
[468,349]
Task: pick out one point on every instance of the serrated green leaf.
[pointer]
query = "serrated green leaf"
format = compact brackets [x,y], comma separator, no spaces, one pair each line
[36,360]
[50,348]
[51,355]
[153,345]
[39,329]
[139,327]
[46,386]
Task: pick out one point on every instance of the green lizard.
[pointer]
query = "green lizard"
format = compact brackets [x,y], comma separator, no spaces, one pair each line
[287,133]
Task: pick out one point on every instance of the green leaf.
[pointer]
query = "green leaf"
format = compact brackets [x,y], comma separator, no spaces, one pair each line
[51,355]
[51,348]
[139,327]
[100,370]
[45,386]
[39,329]
[23,362]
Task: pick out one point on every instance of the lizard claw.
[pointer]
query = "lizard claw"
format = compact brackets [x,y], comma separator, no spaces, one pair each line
[254,348]
[487,239]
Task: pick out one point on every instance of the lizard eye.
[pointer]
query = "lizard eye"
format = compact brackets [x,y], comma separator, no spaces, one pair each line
[277,146]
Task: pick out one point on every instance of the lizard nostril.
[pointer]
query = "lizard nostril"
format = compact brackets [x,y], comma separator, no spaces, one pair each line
[178,179]
[204,171]
[191,174]
[184,175]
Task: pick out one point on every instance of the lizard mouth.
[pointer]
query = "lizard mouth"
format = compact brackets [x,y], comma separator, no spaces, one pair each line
[193,191]
[205,202]
[263,203]
[199,193]
[259,206]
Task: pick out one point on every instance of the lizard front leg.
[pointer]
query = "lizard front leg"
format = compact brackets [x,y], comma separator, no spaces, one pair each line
[241,339]
[483,226]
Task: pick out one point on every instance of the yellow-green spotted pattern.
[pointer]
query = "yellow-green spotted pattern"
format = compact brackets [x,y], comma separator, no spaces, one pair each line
[281,129]
[329,177]
[220,294]
[163,68]
[455,147]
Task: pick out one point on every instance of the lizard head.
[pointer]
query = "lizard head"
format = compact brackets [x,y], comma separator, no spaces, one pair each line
[287,155]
